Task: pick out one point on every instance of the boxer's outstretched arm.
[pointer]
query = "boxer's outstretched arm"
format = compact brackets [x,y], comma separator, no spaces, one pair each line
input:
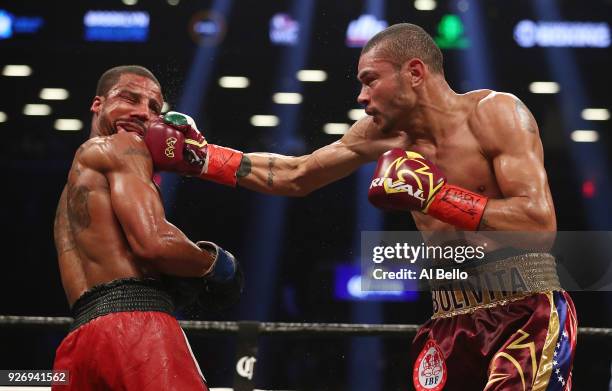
[509,136]
[138,207]
[297,176]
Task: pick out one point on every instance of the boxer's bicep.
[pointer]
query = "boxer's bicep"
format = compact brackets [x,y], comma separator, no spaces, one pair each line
[138,209]
[516,151]
[526,204]
[513,145]
[151,237]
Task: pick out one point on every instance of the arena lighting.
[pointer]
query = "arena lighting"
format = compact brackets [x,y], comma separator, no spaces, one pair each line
[335,128]
[476,67]
[116,26]
[28,24]
[16,70]
[173,2]
[360,30]
[53,94]
[283,137]
[348,286]
[193,94]
[528,33]
[36,109]
[356,114]
[284,30]
[208,28]
[6,24]
[234,82]
[311,75]
[592,114]
[451,33]
[585,136]
[130,2]
[364,352]
[68,125]
[287,98]
[264,120]
[2,116]
[544,87]
[425,5]
[587,156]
[588,189]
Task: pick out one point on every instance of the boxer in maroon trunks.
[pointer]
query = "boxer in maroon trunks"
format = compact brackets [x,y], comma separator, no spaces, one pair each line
[475,163]
[498,340]
[115,247]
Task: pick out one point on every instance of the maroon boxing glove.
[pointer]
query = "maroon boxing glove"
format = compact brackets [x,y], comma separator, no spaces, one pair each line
[207,161]
[167,147]
[405,180]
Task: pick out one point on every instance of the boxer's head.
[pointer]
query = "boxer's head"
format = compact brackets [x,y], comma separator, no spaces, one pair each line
[392,66]
[127,98]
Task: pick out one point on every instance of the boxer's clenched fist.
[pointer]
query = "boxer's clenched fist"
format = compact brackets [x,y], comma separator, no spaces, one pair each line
[177,145]
[218,290]
[405,180]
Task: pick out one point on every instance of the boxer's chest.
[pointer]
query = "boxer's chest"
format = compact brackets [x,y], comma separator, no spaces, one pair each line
[463,162]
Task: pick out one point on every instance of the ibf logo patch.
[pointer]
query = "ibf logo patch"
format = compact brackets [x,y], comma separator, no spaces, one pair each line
[429,373]
[170,143]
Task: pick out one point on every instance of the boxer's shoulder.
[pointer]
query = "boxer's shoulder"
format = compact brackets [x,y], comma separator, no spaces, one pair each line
[497,117]
[487,104]
[113,152]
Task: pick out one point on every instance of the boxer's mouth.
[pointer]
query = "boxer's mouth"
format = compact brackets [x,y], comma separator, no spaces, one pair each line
[130,126]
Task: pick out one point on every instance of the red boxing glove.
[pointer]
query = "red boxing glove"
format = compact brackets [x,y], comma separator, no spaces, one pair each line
[195,157]
[167,146]
[405,180]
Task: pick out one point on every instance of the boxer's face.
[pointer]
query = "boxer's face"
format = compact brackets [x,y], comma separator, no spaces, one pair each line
[129,106]
[384,93]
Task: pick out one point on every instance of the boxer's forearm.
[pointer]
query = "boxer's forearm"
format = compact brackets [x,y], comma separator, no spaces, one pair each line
[170,251]
[296,176]
[518,214]
[176,255]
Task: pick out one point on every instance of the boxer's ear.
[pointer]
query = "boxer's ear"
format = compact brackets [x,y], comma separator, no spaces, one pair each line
[96,104]
[415,69]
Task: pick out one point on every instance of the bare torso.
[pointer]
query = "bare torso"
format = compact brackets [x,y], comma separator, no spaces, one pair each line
[460,156]
[465,155]
[91,246]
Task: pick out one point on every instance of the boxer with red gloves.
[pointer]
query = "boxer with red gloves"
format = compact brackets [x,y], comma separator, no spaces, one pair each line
[405,180]
[177,145]
[487,144]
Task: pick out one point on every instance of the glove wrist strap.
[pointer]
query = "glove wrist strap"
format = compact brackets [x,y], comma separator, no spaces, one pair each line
[224,267]
[457,206]
[221,165]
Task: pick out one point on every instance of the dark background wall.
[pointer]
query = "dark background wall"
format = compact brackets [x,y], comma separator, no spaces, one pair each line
[318,231]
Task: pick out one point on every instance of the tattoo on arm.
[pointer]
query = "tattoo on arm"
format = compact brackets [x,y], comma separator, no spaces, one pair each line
[64,240]
[484,224]
[78,208]
[137,152]
[245,167]
[527,120]
[271,160]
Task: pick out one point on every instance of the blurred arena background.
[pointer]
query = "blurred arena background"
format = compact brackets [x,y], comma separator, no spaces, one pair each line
[279,76]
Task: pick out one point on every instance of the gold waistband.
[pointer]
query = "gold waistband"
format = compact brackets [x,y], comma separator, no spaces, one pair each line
[495,283]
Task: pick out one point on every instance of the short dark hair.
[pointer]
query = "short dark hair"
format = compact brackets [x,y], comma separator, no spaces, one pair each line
[111,77]
[403,41]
